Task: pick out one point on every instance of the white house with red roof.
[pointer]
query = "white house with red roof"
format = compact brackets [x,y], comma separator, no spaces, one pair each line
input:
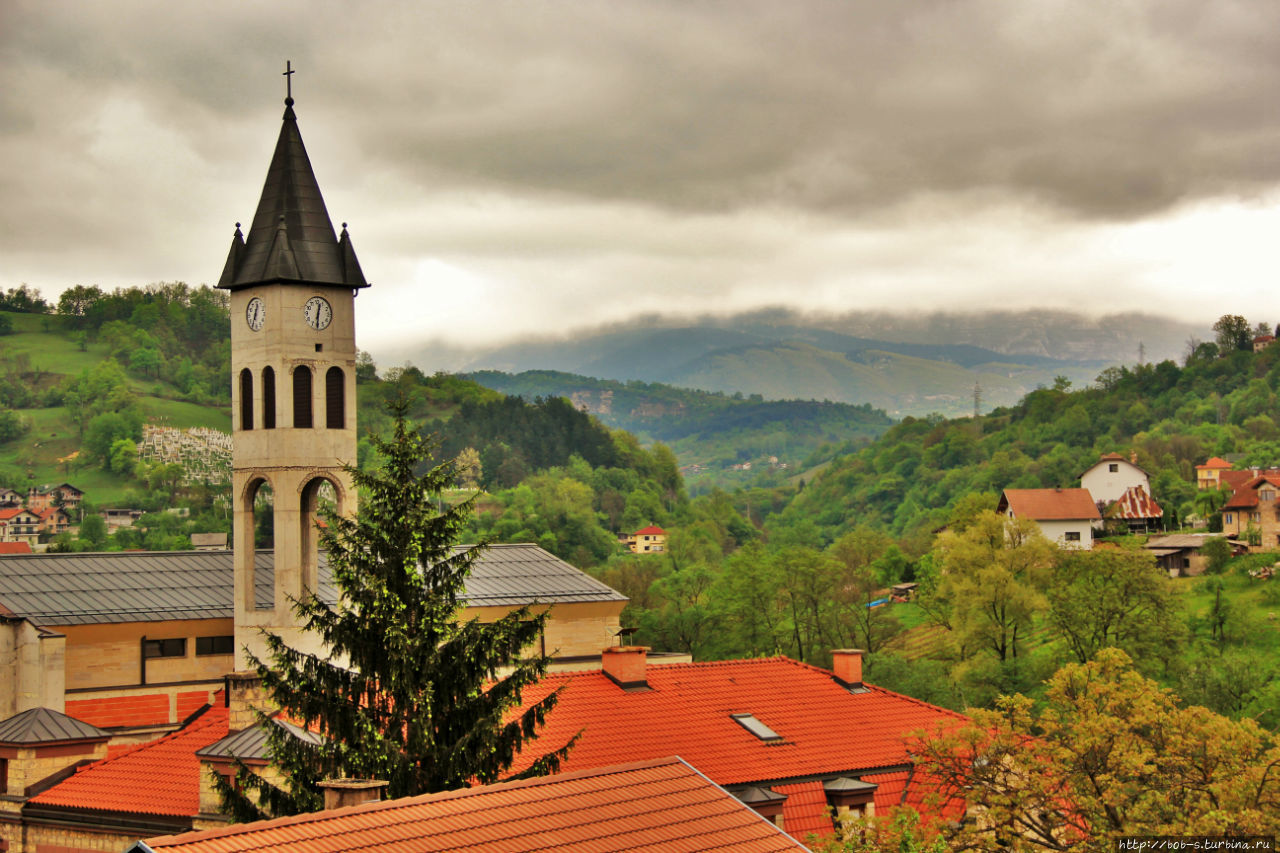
[1065,516]
[1111,476]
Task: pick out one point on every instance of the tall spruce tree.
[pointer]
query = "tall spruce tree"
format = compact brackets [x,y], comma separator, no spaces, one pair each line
[409,694]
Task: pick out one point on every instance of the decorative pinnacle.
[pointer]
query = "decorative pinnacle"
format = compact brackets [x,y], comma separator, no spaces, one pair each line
[287,74]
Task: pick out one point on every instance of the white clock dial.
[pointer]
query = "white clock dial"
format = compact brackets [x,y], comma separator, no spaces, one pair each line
[255,314]
[318,313]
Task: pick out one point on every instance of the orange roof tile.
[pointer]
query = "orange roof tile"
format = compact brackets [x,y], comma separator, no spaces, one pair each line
[658,805]
[1049,504]
[15,548]
[161,777]
[148,709]
[651,530]
[1246,494]
[1215,462]
[806,811]
[688,708]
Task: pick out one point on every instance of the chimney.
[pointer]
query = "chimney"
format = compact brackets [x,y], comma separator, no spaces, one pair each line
[242,693]
[846,666]
[340,793]
[625,666]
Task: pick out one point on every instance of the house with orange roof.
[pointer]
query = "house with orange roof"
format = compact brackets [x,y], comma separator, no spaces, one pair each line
[14,548]
[659,804]
[1209,475]
[647,540]
[1252,513]
[62,494]
[54,520]
[1066,516]
[1136,510]
[18,524]
[795,742]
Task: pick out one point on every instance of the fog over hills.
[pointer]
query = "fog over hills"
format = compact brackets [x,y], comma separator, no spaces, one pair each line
[906,363]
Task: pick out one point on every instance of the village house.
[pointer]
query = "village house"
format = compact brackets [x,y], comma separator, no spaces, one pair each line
[19,525]
[54,521]
[1111,476]
[118,517]
[1179,553]
[8,498]
[64,495]
[647,540]
[1252,515]
[1065,516]
[1209,475]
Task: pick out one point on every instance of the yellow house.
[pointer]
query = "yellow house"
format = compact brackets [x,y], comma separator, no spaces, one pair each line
[650,540]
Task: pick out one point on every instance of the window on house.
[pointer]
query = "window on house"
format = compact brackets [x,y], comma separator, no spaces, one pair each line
[1114,467]
[174,647]
[1072,536]
[1227,518]
[1267,494]
[223,645]
[1255,517]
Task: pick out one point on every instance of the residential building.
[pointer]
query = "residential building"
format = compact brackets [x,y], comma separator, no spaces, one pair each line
[19,525]
[118,517]
[1136,510]
[661,804]
[64,495]
[1209,475]
[1066,516]
[8,497]
[54,521]
[209,541]
[1179,553]
[1252,514]
[1111,476]
[647,540]
[791,739]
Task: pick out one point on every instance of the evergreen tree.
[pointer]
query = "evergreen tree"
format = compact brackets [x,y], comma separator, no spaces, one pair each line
[419,703]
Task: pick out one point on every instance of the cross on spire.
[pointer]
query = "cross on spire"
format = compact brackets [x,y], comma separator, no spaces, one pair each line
[287,74]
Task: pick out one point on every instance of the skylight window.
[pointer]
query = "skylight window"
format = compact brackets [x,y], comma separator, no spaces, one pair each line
[757,728]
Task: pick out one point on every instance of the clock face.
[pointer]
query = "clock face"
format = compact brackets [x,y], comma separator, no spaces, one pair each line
[318,313]
[255,314]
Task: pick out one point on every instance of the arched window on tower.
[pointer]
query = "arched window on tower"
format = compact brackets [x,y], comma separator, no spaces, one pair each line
[246,399]
[268,398]
[302,397]
[334,408]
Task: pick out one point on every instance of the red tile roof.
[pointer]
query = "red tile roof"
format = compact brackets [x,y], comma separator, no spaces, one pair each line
[157,778]
[9,512]
[1246,494]
[148,709]
[1135,503]
[15,548]
[806,811]
[1049,504]
[651,530]
[1215,462]
[658,805]
[826,731]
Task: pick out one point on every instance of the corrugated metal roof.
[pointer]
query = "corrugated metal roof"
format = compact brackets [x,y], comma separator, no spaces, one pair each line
[82,589]
[44,725]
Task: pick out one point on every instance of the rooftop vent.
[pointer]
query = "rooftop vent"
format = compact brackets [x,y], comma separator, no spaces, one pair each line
[757,728]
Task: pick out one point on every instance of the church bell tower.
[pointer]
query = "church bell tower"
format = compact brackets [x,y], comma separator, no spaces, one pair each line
[293,285]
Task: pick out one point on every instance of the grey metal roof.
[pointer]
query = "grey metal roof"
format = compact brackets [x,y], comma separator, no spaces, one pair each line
[251,743]
[85,589]
[45,725]
[291,238]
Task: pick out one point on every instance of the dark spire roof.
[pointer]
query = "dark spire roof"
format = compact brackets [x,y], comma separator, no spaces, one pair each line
[291,238]
[44,725]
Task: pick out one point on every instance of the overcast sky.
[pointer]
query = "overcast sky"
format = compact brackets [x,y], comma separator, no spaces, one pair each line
[520,167]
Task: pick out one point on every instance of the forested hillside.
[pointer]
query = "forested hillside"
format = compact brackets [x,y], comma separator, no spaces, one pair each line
[721,440]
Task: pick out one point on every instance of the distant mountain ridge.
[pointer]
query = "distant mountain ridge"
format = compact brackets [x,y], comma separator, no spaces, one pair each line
[905,364]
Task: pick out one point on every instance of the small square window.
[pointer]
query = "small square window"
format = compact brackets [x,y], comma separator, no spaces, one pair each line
[1113,467]
[319,347]
[1072,536]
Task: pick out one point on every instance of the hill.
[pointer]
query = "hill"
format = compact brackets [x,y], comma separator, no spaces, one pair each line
[720,439]
[907,364]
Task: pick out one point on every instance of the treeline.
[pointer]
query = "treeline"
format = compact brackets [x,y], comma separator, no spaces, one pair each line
[1223,400]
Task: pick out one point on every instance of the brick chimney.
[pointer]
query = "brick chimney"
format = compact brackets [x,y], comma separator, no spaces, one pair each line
[243,693]
[846,666]
[340,793]
[625,666]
